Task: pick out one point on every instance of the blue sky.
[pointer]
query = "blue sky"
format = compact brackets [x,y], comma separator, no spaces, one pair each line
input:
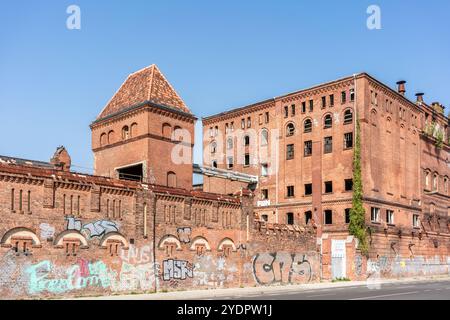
[217,55]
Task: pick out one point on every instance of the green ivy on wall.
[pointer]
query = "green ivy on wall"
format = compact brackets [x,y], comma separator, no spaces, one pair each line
[357,226]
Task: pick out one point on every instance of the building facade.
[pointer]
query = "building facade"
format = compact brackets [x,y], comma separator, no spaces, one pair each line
[137,225]
[301,147]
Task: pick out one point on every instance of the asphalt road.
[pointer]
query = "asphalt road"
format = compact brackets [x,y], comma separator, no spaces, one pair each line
[420,290]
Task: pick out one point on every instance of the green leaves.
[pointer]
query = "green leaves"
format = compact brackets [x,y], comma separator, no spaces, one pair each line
[357,226]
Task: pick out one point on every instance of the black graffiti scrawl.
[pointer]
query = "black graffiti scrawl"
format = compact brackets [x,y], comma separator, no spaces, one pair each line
[281,267]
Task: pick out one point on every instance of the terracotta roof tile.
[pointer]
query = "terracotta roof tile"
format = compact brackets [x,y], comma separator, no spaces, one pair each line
[146,85]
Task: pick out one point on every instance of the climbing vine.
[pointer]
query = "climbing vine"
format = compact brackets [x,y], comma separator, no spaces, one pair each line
[357,226]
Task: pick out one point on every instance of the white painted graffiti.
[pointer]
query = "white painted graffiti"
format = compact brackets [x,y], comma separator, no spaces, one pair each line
[281,267]
[92,229]
[47,231]
[184,234]
[177,269]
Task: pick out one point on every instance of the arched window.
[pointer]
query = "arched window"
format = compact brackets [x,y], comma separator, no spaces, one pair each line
[133,130]
[167,131]
[246,140]
[427,180]
[111,136]
[290,130]
[348,116]
[327,121]
[435,182]
[290,218]
[230,143]
[213,147]
[171,179]
[103,139]
[125,132]
[264,137]
[177,133]
[307,126]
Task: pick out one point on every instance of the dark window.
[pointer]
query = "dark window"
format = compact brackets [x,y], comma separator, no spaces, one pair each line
[290,218]
[247,140]
[290,191]
[304,106]
[286,111]
[214,164]
[343,97]
[308,189]
[289,152]
[348,116]
[311,105]
[348,140]
[328,121]
[331,100]
[230,162]
[308,216]
[328,186]
[307,126]
[290,130]
[348,184]
[324,102]
[293,110]
[347,215]
[265,217]
[328,217]
[308,148]
[267,117]
[328,145]
[264,194]
[352,94]
[247,160]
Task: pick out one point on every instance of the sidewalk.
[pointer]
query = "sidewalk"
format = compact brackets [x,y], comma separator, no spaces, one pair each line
[218,293]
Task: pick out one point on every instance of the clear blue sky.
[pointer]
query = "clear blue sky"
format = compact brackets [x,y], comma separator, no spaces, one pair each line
[217,55]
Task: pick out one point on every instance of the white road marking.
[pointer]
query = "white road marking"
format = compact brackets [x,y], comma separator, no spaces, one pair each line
[386,295]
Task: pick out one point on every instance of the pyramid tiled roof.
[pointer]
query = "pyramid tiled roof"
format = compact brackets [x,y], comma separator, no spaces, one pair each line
[145,85]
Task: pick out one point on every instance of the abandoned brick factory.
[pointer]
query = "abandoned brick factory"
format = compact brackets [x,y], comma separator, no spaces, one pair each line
[274,207]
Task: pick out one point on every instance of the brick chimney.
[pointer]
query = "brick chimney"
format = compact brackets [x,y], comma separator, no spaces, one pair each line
[419,96]
[401,87]
[61,159]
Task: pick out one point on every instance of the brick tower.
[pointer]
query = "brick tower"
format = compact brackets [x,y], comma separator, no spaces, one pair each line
[145,132]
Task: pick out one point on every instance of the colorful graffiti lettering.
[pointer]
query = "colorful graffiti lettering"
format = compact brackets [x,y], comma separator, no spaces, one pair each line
[40,278]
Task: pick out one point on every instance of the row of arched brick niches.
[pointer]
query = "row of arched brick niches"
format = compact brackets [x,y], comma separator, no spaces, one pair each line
[130,131]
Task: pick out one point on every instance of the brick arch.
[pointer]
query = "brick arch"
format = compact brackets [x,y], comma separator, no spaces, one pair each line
[111,136]
[133,129]
[169,238]
[166,130]
[202,241]
[103,139]
[311,123]
[70,234]
[264,140]
[290,126]
[226,241]
[114,236]
[21,232]
[348,110]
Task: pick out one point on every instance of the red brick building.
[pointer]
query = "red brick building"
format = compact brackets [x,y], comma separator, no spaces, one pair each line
[273,209]
[300,146]
[137,225]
